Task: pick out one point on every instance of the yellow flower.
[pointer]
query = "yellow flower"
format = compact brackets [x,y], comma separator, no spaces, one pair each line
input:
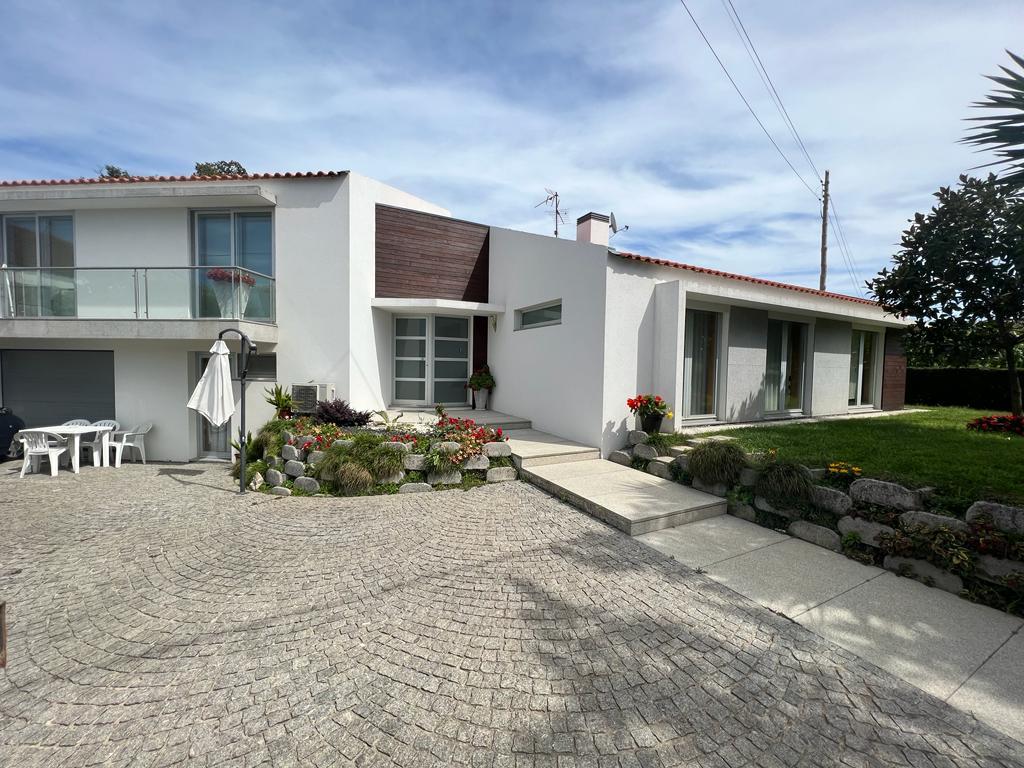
[669,414]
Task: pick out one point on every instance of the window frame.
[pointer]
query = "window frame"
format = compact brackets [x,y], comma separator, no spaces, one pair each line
[876,360]
[687,389]
[785,325]
[194,215]
[521,326]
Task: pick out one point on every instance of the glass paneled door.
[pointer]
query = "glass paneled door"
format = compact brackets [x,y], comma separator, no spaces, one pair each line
[234,239]
[784,373]
[862,368]
[431,360]
[45,245]
[214,442]
[700,364]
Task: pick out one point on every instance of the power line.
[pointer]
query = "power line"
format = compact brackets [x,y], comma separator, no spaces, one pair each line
[846,246]
[766,80]
[747,103]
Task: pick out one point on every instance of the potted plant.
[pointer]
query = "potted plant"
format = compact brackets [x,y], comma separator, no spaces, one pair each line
[650,410]
[281,400]
[227,283]
[481,383]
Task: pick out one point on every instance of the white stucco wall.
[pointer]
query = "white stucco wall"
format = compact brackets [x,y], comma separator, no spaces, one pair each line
[830,384]
[744,382]
[551,375]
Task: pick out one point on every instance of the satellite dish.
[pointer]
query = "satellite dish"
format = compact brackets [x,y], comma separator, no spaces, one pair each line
[615,226]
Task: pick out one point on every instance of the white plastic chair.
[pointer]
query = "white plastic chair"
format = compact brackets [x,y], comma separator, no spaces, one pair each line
[96,444]
[38,444]
[132,438]
[76,423]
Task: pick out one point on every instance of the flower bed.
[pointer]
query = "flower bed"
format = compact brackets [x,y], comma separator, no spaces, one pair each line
[1012,424]
[307,456]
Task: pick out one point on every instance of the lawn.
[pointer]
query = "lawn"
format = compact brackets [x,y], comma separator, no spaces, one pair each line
[933,448]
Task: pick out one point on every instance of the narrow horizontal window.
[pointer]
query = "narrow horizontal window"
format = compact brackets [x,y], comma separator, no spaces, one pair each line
[536,317]
[261,367]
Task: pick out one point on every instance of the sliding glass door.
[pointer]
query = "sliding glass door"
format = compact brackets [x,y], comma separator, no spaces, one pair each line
[862,368]
[431,361]
[784,373]
[45,244]
[700,363]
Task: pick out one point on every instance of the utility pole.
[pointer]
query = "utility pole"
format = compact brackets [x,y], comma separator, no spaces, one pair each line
[824,235]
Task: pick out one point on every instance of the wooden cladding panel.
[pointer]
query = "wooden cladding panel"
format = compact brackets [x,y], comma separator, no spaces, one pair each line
[423,256]
[894,372]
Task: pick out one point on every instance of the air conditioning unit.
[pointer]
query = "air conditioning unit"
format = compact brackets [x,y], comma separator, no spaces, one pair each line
[307,395]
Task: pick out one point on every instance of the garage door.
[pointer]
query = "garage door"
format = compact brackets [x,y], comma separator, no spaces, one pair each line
[46,387]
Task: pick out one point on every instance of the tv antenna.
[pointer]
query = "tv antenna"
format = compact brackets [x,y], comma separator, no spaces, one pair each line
[613,225]
[553,200]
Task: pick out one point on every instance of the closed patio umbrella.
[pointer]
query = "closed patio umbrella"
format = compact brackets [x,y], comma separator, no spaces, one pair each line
[213,397]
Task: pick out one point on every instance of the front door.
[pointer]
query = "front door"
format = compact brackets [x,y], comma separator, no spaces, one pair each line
[431,360]
[214,442]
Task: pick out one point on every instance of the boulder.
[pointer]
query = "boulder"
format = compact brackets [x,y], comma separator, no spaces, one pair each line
[710,439]
[749,476]
[818,473]
[315,457]
[394,479]
[761,503]
[273,477]
[815,534]
[448,446]
[682,461]
[931,521]
[414,462]
[659,467]
[287,436]
[501,474]
[444,478]
[996,569]
[281,491]
[291,453]
[831,500]
[924,571]
[396,445]
[414,488]
[621,457]
[679,450]
[716,489]
[256,481]
[476,462]
[1005,518]
[341,444]
[637,437]
[867,530]
[496,450]
[294,468]
[306,485]
[882,494]
[743,512]
[644,451]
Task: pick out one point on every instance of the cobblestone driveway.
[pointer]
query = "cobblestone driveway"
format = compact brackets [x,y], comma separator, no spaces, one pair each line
[158,619]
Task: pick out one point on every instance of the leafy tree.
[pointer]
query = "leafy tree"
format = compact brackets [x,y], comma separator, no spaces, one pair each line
[960,270]
[1004,133]
[220,168]
[112,172]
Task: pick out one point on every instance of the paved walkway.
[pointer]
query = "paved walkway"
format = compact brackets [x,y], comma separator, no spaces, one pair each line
[156,618]
[964,653]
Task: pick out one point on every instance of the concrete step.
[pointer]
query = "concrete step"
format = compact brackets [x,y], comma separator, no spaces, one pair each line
[533,448]
[632,501]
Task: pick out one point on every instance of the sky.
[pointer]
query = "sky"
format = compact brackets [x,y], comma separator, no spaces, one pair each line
[479,105]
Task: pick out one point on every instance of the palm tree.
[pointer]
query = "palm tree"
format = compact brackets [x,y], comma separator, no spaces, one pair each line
[1004,133]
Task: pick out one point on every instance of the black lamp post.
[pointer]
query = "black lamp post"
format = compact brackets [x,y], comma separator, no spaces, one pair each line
[248,348]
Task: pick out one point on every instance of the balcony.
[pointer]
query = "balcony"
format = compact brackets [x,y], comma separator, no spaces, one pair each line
[170,302]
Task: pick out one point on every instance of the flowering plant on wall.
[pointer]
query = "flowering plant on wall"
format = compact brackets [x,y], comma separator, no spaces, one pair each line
[223,275]
[649,405]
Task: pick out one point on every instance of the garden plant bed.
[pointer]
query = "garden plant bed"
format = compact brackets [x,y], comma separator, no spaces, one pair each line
[307,457]
[978,555]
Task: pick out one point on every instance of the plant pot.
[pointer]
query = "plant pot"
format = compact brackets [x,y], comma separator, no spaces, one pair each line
[481,396]
[651,423]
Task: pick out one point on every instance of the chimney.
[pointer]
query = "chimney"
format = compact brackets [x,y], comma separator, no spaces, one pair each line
[592,228]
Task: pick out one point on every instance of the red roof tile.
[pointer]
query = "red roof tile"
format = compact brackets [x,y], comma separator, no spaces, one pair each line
[140,179]
[744,278]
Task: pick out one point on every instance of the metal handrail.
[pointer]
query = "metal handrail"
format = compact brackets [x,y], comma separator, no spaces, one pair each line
[98,269]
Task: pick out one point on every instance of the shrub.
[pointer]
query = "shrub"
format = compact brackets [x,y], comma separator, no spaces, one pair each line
[1012,424]
[717,462]
[340,413]
[784,481]
[351,479]
[367,451]
[270,438]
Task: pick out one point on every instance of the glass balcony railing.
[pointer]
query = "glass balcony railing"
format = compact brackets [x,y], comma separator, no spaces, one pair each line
[137,293]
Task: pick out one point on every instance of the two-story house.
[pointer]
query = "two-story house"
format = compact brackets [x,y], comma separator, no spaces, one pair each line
[112,290]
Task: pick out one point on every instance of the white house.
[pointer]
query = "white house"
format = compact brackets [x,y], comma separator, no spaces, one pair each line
[112,290]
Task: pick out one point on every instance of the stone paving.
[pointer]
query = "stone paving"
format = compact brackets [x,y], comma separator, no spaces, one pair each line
[158,619]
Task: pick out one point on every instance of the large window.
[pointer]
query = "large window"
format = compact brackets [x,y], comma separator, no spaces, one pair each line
[700,363]
[242,239]
[784,374]
[862,367]
[431,360]
[44,245]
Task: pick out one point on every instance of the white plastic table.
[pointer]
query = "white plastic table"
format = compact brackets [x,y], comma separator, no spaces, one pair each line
[74,435]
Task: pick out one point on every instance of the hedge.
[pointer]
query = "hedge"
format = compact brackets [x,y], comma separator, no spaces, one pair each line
[983,388]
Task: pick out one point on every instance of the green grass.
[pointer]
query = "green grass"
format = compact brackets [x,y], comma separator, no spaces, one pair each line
[933,448]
